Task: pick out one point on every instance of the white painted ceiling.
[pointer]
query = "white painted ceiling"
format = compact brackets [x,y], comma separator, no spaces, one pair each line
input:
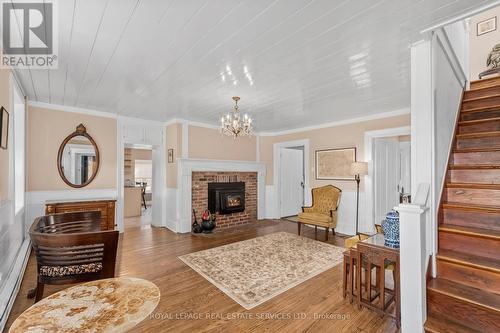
[308,61]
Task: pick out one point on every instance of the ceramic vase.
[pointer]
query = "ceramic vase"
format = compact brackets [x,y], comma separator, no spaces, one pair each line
[390,226]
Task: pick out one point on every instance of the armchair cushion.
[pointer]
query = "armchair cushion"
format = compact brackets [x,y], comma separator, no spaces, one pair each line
[59,271]
[315,217]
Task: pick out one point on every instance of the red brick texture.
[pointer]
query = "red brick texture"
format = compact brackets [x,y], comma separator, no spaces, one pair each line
[200,196]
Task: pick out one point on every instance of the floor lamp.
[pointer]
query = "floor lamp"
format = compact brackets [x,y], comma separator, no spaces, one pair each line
[358,169]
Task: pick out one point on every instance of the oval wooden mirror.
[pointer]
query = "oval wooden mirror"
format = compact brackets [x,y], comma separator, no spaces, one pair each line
[78,158]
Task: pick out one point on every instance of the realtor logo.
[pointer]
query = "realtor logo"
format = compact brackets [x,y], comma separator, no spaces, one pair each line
[29,37]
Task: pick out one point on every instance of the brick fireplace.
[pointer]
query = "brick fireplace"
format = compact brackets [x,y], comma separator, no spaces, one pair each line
[223,180]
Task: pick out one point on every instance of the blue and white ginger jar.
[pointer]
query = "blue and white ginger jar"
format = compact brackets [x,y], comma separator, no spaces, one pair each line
[390,226]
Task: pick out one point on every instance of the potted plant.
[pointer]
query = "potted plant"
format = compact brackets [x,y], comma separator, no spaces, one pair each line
[207,222]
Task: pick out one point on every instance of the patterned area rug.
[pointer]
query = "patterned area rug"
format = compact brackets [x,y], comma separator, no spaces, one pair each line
[256,270]
[110,305]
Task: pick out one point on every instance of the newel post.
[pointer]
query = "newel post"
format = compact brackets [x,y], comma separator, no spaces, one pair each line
[413,266]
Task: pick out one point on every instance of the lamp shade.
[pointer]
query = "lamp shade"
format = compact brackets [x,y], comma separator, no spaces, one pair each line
[359,168]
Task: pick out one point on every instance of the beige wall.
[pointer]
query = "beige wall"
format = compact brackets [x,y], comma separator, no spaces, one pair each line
[174,141]
[351,135]
[208,143]
[4,153]
[480,46]
[46,129]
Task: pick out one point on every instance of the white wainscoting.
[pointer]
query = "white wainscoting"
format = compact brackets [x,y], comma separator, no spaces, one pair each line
[171,213]
[36,199]
[346,216]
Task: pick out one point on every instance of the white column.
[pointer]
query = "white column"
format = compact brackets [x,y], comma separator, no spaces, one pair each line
[413,267]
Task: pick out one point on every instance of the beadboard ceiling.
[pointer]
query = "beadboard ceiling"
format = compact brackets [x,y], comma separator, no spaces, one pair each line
[293,62]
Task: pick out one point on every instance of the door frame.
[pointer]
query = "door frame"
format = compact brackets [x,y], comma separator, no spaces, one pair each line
[277,147]
[370,136]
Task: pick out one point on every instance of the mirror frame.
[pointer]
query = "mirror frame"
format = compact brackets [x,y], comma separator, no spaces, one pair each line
[80,131]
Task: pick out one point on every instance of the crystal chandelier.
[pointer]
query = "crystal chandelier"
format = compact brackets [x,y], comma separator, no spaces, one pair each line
[233,125]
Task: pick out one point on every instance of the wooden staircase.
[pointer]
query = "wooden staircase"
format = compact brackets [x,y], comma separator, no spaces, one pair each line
[465,295]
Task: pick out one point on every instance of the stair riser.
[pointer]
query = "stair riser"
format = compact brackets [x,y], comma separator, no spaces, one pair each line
[485,83]
[473,196]
[483,247]
[472,219]
[463,312]
[480,115]
[483,142]
[481,103]
[475,176]
[470,276]
[482,93]
[487,126]
[486,157]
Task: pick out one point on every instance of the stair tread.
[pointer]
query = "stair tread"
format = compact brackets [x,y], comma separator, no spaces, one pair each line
[452,205]
[473,82]
[482,108]
[483,186]
[478,134]
[471,231]
[476,150]
[466,293]
[478,121]
[481,97]
[468,259]
[473,166]
[442,325]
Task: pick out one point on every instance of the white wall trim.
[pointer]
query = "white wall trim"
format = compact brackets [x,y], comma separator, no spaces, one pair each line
[11,288]
[277,174]
[369,186]
[382,115]
[185,139]
[72,109]
[186,167]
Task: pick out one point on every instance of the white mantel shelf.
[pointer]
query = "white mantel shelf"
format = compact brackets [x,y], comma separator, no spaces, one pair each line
[186,167]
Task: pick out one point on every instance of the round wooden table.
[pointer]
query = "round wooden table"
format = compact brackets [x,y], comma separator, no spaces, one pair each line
[109,305]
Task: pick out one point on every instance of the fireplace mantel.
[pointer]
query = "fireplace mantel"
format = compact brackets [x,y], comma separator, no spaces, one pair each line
[186,166]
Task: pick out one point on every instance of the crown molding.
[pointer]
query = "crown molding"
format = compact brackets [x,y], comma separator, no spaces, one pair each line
[382,115]
[72,109]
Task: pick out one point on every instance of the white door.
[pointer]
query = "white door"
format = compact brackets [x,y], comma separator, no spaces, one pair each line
[405,162]
[292,181]
[386,174]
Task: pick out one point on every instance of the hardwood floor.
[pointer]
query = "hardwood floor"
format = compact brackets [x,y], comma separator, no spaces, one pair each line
[189,303]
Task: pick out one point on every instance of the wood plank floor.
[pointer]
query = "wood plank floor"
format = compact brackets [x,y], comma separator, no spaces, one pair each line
[189,303]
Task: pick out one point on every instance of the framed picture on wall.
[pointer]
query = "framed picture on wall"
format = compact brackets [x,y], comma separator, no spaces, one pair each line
[335,164]
[4,128]
[486,26]
[170,155]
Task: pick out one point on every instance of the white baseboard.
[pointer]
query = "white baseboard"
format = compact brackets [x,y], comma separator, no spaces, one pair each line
[10,290]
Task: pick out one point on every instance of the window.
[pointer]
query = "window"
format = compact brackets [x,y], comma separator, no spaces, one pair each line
[144,173]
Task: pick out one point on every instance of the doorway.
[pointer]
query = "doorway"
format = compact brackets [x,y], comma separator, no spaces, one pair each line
[138,186]
[392,175]
[291,178]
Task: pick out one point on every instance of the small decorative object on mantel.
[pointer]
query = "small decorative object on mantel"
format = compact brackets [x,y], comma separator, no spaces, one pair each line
[390,226]
[208,222]
[196,228]
[4,128]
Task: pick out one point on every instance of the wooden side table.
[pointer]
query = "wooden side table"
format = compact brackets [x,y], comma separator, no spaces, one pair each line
[374,252]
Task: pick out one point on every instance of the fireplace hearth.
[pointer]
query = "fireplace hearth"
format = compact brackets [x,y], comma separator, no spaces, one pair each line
[226,198]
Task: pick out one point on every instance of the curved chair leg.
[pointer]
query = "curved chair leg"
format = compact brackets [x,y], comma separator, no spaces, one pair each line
[39,291]
[327,231]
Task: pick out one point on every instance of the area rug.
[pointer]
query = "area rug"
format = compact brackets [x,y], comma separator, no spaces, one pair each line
[256,270]
[110,305]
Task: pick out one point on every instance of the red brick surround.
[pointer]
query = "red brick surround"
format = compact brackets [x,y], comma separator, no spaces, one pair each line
[200,196]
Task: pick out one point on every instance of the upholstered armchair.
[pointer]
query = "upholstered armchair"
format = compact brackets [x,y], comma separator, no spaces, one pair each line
[323,212]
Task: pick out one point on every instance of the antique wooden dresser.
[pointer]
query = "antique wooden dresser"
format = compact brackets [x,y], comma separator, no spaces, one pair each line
[105,206]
